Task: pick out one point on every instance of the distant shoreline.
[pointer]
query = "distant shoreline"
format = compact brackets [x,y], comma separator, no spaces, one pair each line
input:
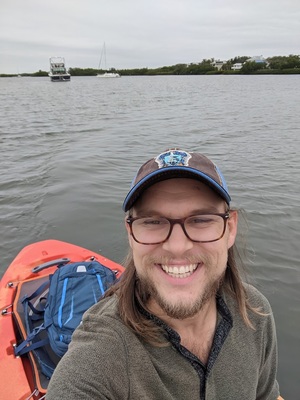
[291,71]
[278,65]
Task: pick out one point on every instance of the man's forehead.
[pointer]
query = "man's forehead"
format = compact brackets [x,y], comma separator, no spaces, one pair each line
[179,189]
[178,185]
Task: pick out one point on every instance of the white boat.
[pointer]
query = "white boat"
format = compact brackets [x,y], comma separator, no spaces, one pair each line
[109,73]
[58,71]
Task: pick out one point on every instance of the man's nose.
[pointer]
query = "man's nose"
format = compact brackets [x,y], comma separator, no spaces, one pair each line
[178,242]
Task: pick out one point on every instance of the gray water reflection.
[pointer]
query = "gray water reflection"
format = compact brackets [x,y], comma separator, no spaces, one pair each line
[69,151]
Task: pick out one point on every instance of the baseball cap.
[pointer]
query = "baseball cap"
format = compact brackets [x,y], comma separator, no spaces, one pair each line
[177,164]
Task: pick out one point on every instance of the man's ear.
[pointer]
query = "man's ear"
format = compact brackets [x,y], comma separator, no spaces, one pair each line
[232,225]
[127,227]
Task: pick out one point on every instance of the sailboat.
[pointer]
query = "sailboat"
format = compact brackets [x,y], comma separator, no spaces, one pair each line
[107,74]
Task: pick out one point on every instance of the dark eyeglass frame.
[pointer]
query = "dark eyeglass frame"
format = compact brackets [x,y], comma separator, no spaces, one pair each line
[181,222]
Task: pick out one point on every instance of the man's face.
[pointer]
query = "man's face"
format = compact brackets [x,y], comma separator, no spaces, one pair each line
[159,267]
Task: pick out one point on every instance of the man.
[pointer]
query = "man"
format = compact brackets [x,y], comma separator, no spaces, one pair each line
[179,324]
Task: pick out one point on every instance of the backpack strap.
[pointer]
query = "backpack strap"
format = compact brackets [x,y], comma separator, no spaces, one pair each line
[100,284]
[37,313]
[25,347]
[26,301]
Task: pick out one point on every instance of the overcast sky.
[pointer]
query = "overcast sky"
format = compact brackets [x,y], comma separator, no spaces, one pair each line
[140,33]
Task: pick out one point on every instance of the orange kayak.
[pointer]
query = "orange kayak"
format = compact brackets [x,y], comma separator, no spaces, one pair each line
[17,374]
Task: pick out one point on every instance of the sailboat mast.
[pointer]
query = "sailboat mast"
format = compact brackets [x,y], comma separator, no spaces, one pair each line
[103,54]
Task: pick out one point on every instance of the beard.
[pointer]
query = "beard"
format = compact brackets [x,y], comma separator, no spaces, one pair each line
[180,310]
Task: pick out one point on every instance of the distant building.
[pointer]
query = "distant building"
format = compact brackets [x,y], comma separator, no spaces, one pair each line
[237,66]
[257,59]
[218,64]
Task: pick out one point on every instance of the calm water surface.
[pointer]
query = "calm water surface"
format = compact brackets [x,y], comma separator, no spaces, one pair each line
[68,152]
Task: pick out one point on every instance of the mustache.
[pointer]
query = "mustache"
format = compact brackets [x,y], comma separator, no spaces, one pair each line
[168,259]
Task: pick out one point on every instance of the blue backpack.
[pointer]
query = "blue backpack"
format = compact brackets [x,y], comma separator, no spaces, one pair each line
[54,310]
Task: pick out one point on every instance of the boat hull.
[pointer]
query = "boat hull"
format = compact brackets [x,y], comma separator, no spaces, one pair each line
[60,78]
[17,382]
[109,75]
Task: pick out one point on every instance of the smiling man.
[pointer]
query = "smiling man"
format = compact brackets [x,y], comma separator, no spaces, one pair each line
[180,324]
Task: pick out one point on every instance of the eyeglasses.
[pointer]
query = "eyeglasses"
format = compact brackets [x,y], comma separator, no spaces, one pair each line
[200,228]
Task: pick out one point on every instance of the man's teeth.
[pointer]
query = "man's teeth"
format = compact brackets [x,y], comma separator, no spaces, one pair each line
[182,271]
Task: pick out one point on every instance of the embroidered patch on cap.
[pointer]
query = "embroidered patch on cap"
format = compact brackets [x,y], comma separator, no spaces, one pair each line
[173,158]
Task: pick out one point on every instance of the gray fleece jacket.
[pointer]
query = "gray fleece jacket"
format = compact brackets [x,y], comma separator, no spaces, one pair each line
[106,360]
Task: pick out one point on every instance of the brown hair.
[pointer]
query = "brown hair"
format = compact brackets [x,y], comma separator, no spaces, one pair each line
[131,298]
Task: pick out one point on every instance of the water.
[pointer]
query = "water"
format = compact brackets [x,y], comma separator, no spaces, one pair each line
[68,152]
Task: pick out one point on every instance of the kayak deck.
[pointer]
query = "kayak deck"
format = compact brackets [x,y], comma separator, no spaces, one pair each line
[17,382]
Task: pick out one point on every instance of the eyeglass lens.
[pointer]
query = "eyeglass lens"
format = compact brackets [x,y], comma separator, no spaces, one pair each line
[198,228]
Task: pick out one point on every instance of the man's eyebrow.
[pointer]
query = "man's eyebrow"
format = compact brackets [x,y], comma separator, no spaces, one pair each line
[205,210]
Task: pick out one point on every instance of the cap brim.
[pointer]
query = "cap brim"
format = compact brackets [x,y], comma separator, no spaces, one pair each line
[169,173]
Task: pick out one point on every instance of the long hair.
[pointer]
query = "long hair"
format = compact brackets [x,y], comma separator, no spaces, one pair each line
[131,299]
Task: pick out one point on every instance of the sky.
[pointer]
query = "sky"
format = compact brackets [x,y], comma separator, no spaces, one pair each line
[140,33]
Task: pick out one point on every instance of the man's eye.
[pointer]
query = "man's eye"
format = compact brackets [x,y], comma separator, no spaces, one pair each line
[201,220]
[154,221]
[151,221]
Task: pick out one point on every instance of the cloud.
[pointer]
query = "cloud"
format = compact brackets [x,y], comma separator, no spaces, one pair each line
[140,33]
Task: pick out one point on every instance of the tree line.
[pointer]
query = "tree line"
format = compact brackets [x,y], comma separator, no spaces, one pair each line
[272,65]
[278,64]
